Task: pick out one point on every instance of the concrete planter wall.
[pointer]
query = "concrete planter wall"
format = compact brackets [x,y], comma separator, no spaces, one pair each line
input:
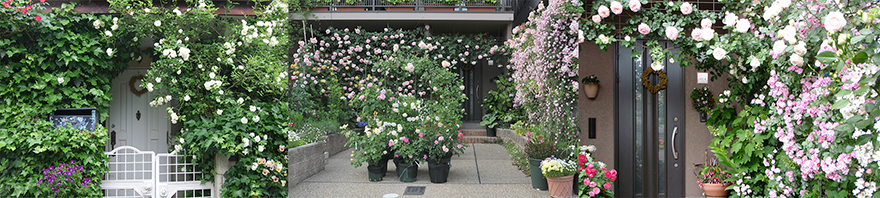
[511,136]
[307,160]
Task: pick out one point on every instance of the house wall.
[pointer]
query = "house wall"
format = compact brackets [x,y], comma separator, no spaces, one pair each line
[594,61]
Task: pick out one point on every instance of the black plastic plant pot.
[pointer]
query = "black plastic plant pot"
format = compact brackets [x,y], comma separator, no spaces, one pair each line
[439,172]
[398,167]
[377,171]
[490,132]
[409,173]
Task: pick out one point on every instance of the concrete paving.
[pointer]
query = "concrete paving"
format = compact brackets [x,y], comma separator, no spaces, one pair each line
[483,170]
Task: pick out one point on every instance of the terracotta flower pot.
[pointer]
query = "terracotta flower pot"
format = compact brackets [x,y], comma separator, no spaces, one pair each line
[591,89]
[715,190]
[559,187]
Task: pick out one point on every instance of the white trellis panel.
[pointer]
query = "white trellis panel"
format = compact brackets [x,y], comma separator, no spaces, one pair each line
[136,173]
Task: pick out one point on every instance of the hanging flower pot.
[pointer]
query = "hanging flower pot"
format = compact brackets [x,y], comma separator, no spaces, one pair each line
[591,90]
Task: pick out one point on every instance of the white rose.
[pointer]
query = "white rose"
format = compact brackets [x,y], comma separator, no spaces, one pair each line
[244,120]
[445,63]
[596,18]
[60,80]
[779,47]
[696,34]
[98,24]
[754,62]
[800,48]
[253,108]
[796,60]
[644,29]
[157,23]
[109,51]
[719,53]
[219,111]
[604,39]
[186,98]
[686,8]
[184,53]
[707,34]
[834,21]
[729,19]
[150,87]
[240,100]
[671,33]
[783,3]
[212,75]
[409,67]
[256,119]
[743,25]
[788,33]
[706,23]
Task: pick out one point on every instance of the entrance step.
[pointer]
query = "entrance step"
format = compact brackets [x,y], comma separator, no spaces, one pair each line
[478,139]
[473,132]
[471,126]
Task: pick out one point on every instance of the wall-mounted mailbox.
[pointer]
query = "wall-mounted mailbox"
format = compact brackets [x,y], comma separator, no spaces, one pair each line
[592,128]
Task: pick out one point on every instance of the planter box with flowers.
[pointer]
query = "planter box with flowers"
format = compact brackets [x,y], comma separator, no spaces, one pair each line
[440,5]
[351,5]
[481,5]
[398,5]
[321,5]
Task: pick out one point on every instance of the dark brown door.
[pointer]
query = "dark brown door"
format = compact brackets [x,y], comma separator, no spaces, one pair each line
[650,127]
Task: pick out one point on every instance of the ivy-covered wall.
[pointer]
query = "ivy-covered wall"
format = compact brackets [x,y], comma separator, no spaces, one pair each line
[51,60]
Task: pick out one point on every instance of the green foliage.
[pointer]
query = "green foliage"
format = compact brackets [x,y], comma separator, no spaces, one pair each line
[31,146]
[592,79]
[500,103]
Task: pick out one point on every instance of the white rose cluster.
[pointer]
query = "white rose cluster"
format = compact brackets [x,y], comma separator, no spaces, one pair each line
[213,84]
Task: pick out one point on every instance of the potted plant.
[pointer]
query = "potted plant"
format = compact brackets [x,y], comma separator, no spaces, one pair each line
[399,5]
[371,148]
[559,174]
[407,154]
[713,179]
[481,5]
[490,120]
[537,150]
[351,5]
[440,5]
[591,86]
[597,179]
[440,147]
[703,102]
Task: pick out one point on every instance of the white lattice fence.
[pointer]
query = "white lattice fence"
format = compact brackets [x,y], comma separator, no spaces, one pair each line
[136,173]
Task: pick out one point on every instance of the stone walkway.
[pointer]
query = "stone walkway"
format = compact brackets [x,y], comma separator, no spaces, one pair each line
[483,170]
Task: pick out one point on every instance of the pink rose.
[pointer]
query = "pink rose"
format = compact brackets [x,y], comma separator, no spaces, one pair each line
[695,34]
[707,34]
[687,8]
[671,33]
[593,184]
[440,138]
[834,21]
[611,175]
[594,192]
[635,5]
[706,23]
[587,182]
[616,7]
[603,11]
[607,186]
[597,18]
[644,29]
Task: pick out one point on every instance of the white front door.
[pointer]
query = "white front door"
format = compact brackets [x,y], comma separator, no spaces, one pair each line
[133,120]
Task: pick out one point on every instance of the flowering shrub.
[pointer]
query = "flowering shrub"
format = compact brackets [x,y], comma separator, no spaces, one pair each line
[65,179]
[553,167]
[376,142]
[703,99]
[545,68]
[598,179]
[500,103]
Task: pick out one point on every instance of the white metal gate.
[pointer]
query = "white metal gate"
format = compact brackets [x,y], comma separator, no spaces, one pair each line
[136,173]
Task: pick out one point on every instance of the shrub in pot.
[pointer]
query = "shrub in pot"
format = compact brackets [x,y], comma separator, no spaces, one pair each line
[537,150]
[713,179]
[597,180]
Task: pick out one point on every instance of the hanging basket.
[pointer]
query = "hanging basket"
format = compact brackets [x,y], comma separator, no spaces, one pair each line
[591,90]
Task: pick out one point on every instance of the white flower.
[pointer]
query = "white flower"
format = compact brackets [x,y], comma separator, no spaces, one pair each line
[109,51]
[754,62]
[409,67]
[686,8]
[150,87]
[707,34]
[114,27]
[644,29]
[729,19]
[261,148]
[834,21]
[247,142]
[212,75]
[184,53]
[221,92]
[257,139]
[177,12]
[719,53]
[800,48]
[671,32]
[157,23]
[158,80]
[796,60]
[244,120]
[627,38]
[596,18]
[168,98]
[461,87]
[603,11]
[779,47]
[108,33]
[604,39]
[186,98]
[182,141]
[256,118]
[706,23]
[240,100]
[788,33]
[98,24]
[60,80]
[445,63]
[742,25]
[253,108]
[219,111]
[783,3]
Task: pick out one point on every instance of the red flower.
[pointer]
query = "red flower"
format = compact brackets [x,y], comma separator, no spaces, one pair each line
[38,18]
[6,4]
[611,175]
[42,1]
[581,160]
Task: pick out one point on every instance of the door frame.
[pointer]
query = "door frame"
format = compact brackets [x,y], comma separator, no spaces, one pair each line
[675,122]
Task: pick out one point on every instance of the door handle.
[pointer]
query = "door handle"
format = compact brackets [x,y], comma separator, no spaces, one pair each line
[674,133]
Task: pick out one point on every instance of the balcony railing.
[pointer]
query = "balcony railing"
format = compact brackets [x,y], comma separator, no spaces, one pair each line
[414,6]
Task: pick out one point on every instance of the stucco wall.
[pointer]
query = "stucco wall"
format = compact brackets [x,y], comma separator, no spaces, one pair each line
[601,63]
[594,61]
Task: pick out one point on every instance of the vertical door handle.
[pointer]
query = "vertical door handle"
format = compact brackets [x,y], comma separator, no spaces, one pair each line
[674,133]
